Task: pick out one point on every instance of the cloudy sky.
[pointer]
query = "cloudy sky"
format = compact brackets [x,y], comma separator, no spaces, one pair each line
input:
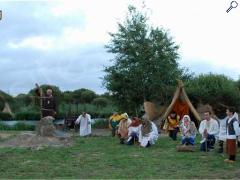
[62,42]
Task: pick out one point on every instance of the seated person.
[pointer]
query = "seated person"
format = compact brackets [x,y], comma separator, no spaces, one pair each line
[188,130]
[133,131]
[172,125]
[148,133]
[209,130]
[113,122]
[123,127]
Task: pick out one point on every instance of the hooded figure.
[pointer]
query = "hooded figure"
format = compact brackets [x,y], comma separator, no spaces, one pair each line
[188,130]
[148,133]
[123,127]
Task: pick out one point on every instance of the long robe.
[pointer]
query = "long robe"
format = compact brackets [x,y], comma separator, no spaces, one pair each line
[85,124]
[223,129]
[150,137]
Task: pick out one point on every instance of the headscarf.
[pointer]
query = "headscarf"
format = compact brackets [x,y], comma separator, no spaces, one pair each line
[135,122]
[186,123]
[124,121]
[146,126]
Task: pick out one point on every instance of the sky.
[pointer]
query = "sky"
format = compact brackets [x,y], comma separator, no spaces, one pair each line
[61,42]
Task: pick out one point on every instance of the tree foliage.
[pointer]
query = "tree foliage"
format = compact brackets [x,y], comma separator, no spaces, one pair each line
[100,102]
[217,90]
[145,63]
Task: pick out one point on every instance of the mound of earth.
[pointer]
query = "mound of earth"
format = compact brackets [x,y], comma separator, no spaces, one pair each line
[31,140]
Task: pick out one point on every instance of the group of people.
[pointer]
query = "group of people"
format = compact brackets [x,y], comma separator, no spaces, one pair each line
[140,131]
[225,131]
[173,124]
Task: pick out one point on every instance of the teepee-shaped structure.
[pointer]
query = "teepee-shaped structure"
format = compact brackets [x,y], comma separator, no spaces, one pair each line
[181,104]
[7,109]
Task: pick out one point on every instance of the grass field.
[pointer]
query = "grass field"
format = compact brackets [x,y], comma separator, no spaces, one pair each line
[103,157]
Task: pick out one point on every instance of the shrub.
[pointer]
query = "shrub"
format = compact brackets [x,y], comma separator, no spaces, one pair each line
[18,127]
[100,124]
[5,116]
[28,115]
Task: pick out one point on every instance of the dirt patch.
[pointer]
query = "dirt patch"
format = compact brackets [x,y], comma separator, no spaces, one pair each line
[31,140]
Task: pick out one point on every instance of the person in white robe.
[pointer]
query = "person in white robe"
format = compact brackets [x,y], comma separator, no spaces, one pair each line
[148,133]
[209,129]
[222,133]
[238,120]
[84,120]
[133,131]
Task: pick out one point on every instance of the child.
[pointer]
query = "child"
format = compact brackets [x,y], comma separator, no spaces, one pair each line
[231,137]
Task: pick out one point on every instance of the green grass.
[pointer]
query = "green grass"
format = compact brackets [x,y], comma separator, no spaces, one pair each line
[104,157]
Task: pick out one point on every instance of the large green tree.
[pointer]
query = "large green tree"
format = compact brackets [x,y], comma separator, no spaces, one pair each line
[145,62]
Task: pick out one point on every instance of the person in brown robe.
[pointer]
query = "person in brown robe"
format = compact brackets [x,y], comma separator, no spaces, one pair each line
[48,104]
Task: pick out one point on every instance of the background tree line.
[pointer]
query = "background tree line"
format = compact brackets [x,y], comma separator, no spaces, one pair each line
[26,106]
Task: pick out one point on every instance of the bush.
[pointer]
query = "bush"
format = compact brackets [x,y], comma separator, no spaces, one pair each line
[28,115]
[5,116]
[100,124]
[216,90]
[18,127]
[100,102]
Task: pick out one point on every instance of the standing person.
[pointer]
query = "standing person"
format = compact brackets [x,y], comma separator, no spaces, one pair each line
[123,127]
[148,133]
[172,125]
[113,122]
[222,133]
[133,131]
[48,102]
[232,133]
[85,124]
[188,130]
[209,130]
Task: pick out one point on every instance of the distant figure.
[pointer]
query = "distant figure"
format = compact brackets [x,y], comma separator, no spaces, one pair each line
[48,102]
[209,130]
[123,127]
[148,133]
[172,125]
[85,124]
[113,122]
[133,131]
[188,130]
[232,133]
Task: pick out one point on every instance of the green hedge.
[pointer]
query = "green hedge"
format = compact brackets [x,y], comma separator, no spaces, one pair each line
[101,124]
[18,127]
[28,116]
[5,116]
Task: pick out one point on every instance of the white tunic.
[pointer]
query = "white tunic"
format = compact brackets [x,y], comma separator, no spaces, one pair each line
[223,129]
[132,129]
[85,125]
[211,126]
[151,137]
